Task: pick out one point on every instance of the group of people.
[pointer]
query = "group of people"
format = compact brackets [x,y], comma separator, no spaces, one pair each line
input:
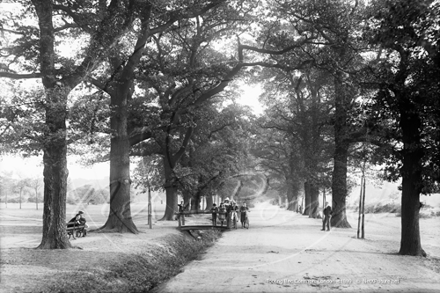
[226,212]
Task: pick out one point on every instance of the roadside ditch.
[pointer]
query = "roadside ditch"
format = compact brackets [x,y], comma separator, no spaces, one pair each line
[137,272]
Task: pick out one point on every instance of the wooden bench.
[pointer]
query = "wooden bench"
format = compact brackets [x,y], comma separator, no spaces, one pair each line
[75,230]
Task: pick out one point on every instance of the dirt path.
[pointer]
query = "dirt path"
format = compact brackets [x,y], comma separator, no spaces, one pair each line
[284,252]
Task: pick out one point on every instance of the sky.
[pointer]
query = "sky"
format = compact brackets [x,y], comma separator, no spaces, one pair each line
[250,97]
[33,168]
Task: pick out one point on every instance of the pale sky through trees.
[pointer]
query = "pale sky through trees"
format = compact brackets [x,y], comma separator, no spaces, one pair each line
[250,97]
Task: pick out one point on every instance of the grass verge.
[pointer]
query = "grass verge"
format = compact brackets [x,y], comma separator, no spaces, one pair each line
[137,272]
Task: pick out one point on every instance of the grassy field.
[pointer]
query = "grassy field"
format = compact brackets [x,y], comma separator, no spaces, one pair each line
[96,215]
[104,262]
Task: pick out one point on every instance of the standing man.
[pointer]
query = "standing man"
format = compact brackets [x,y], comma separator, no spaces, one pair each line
[243,213]
[214,211]
[327,214]
[228,212]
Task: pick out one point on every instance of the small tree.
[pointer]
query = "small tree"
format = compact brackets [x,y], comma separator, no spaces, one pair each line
[20,186]
[36,184]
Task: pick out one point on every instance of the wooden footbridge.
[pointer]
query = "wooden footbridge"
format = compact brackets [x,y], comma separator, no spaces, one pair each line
[188,220]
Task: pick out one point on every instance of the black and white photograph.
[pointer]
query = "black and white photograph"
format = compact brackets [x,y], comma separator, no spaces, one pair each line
[219,146]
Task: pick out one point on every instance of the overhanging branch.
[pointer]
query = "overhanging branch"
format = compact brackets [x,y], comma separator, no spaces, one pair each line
[20,76]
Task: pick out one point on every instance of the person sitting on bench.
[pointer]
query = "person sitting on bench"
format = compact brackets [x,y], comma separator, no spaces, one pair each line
[78,220]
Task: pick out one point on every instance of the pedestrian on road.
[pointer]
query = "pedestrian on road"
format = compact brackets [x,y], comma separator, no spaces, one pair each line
[180,216]
[327,214]
[222,213]
[243,213]
[214,211]
[228,208]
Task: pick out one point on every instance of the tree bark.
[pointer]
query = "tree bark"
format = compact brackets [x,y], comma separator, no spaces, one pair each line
[195,203]
[55,173]
[120,219]
[292,197]
[410,243]
[209,202]
[314,200]
[339,187]
[236,194]
[170,190]
[307,199]
[55,138]
[340,158]
[186,198]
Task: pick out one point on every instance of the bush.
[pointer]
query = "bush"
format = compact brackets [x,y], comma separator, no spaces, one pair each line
[71,200]
[424,215]
[14,200]
[32,199]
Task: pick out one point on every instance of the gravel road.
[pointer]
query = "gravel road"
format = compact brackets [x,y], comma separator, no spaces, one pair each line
[287,252]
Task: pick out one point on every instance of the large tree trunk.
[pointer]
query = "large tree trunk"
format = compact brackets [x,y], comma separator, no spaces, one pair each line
[292,197]
[209,202]
[55,144]
[292,202]
[171,191]
[410,243]
[119,219]
[235,196]
[307,199]
[55,173]
[339,187]
[340,158]
[171,203]
[186,198]
[314,200]
[170,161]
[195,203]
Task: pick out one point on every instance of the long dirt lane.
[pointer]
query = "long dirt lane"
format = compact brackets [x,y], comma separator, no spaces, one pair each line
[285,252]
